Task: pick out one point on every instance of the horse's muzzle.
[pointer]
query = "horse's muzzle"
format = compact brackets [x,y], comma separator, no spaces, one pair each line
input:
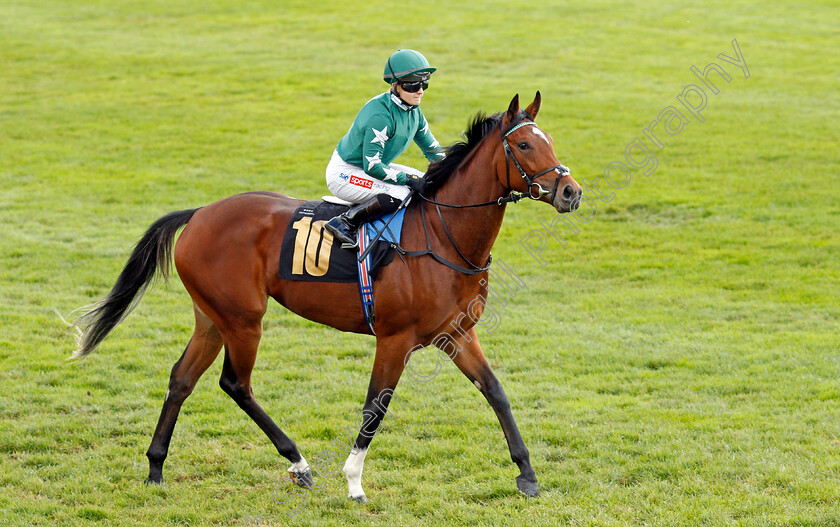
[567,199]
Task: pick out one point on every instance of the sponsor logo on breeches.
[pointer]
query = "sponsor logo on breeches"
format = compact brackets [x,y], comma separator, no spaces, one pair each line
[354,180]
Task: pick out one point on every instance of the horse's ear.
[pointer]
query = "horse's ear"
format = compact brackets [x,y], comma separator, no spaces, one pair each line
[534,108]
[512,110]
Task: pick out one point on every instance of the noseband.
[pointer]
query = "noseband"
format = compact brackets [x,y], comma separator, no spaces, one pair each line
[530,180]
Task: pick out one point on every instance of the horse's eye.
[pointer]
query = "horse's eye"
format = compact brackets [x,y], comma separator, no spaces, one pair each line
[523,146]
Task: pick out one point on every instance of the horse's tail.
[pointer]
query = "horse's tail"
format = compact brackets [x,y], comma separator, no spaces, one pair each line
[152,254]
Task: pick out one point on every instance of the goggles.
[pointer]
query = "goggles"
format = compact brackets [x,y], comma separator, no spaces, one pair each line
[414,86]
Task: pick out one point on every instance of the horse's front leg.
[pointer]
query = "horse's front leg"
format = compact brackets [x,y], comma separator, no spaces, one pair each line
[472,362]
[387,369]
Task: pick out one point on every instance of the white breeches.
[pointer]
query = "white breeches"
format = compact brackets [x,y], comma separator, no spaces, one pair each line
[350,182]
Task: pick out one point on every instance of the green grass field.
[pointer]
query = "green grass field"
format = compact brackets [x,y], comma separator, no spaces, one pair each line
[675,364]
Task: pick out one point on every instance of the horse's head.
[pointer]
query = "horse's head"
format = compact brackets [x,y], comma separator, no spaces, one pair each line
[531,166]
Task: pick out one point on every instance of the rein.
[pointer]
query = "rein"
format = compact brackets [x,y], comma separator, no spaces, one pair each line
[472,270]
[513,197]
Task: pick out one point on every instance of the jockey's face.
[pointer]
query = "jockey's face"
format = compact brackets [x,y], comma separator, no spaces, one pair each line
[407,97]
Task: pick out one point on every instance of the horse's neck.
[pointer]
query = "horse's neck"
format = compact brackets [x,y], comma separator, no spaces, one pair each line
[474,230]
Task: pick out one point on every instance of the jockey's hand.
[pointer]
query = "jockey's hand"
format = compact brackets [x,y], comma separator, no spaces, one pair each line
[415,183]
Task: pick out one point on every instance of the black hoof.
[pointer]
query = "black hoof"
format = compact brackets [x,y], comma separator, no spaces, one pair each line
[359,499]
[528,488]
[302,479]
[153,481]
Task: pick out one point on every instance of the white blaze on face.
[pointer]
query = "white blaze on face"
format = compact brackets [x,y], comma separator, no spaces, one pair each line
[540,133]
[353,469]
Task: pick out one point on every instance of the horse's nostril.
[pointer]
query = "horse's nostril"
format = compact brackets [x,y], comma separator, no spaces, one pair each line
[568,192]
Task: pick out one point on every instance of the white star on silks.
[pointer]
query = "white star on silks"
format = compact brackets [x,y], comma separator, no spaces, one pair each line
[373,160]
[435,144]
[426,129]
[391,173]
[381,136]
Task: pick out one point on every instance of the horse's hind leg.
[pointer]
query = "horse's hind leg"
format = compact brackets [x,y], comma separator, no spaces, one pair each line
[240,355]
[200,353]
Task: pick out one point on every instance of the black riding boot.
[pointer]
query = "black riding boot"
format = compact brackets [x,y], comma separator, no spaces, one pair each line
[344,226]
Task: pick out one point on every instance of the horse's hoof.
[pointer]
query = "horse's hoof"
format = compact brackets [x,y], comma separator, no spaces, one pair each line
[528,488]
[359,499]
[302,478]
[150,481]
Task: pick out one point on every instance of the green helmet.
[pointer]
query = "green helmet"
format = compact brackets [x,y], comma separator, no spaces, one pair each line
[407,63]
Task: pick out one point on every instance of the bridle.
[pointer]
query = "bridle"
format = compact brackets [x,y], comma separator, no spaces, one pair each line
[530,180]
[514,196]
[511,197]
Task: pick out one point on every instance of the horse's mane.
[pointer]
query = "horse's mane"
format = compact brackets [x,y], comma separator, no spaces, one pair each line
[477,129]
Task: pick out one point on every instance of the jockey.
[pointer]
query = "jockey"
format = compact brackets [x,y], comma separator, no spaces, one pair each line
[361,169]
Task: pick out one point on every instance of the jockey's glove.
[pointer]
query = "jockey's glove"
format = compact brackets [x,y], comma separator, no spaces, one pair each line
[415,183]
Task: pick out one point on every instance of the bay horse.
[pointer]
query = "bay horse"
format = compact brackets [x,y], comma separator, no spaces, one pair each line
[228,254]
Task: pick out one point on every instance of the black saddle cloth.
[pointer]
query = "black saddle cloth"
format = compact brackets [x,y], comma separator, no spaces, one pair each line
[309,253]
